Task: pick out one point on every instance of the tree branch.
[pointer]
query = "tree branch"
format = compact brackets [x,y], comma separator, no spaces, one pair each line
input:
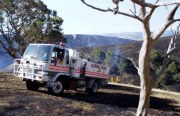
[134,5]
[111,10]
[169,21]
[148,15]
[99,9]
[176,20]
[4,47]
[4,35]
[131,61]
[143,4]
[157,1]
[177,2]
[166,61]
[173,47]
[172,13]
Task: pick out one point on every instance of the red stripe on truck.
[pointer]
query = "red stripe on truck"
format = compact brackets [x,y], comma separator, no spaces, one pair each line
[96,74]
[59,68]
[93,74]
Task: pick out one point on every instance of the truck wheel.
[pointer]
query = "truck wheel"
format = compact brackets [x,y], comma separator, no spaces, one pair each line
[33,86]
[88,90]
[94,88]
[57,89]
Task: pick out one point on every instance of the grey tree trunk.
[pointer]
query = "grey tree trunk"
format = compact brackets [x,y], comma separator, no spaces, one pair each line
[145,77]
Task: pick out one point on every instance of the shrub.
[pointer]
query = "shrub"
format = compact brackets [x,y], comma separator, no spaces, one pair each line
[176,78]
[173,67]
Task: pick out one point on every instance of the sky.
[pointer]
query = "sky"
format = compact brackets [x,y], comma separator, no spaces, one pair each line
[80,19]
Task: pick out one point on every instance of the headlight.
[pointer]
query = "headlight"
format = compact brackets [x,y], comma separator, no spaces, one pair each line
[42,73]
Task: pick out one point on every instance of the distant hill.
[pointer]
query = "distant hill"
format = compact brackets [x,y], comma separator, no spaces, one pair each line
[131,50]
[128,35]
[81,40]
[134,35]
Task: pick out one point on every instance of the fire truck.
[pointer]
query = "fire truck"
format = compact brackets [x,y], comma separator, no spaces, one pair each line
[59,68]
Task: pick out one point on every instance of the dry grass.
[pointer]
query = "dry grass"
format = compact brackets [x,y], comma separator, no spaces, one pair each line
[112,100]
[155,92]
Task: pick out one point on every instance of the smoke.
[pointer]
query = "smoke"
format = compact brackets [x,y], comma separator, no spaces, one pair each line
[116,56]
[74,36]
[114,69]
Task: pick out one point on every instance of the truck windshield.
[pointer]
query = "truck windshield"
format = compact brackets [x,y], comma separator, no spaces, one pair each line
[37,52]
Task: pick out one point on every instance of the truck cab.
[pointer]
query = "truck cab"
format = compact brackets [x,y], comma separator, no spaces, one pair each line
[41,63]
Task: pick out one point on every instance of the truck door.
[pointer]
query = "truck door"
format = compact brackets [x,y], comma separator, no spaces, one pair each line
[66,58]
[59,60]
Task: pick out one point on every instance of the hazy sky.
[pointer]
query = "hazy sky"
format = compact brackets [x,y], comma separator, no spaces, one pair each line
[80,19]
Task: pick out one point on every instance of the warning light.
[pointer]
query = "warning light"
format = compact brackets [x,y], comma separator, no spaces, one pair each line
[61,43]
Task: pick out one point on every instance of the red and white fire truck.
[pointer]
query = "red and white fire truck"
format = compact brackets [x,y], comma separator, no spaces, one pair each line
[57,68]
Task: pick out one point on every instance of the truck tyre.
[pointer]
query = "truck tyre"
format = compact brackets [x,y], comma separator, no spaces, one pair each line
[33,86]
[57,89]
[94,88]
[88,90]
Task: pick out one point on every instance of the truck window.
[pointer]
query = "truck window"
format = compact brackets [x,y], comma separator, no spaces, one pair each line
[60,55]
[37,52]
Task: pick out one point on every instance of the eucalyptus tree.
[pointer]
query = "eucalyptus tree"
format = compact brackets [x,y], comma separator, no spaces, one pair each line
[26,21]
[142,11]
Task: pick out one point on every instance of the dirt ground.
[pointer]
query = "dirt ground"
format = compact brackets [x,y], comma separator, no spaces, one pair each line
[15,99]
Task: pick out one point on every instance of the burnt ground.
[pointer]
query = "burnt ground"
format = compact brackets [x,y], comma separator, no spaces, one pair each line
[15,99]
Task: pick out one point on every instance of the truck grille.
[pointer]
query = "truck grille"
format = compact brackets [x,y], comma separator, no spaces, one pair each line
[28,70]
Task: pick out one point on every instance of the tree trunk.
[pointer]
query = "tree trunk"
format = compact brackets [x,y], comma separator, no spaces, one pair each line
[144,99]
[145,77]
